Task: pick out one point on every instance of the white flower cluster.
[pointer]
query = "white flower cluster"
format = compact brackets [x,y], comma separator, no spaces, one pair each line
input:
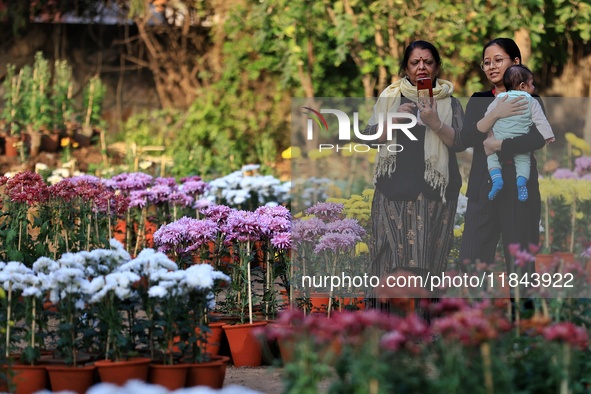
[91,276]
[238,187]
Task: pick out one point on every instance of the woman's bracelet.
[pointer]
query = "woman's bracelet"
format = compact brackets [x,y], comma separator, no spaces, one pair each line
[440,127]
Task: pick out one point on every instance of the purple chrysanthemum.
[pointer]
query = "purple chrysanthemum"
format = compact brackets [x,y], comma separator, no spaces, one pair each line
[180,199]
[202,203]
[158,194]
[278,224]
[276,211]
[185,235]
[346,226]
[130,181]
[244,226]
[307,230]
[583,165]
[327,211]
[138,199]
[564,173]
[170,182]
[194,187]
[281,241]
[217,213]
[336,242]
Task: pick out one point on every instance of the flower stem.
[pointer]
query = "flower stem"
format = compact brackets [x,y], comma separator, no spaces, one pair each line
[573,217]
[33,328]
[109,218]
[547,225]
[487,364]
[249,284]
[8,312]
[565,367]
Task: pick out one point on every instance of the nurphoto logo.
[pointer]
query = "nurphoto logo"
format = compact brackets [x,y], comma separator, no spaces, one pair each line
[344,127]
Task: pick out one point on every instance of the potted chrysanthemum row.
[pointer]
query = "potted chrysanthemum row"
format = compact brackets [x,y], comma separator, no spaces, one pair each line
[106,301]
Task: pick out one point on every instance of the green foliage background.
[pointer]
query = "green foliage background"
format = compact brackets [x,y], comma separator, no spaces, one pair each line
[271,50]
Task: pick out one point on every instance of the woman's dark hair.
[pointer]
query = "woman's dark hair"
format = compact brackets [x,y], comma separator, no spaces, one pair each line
[420,45]
[516,74]
[507,44]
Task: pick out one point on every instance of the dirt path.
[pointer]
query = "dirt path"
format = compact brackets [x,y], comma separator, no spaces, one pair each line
[264,379]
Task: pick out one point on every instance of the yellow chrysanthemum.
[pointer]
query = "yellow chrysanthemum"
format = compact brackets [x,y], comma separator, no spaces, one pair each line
[347,150]
[315,155]
[579,145]
[361,247]
[458,231]
[464,188]
[293,152]
[371,155]
[368,193]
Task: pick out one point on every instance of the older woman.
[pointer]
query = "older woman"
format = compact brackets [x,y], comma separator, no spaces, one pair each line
[417,187]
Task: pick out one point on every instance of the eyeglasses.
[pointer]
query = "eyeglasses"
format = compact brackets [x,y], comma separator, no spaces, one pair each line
[485,65]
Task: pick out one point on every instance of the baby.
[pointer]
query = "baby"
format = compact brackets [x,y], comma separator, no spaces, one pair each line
[518,81]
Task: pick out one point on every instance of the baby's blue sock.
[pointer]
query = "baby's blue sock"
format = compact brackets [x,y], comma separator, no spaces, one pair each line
[521,188]
[497,182]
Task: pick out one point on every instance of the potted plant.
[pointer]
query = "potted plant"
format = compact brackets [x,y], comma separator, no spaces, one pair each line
[22,195]
[21,282]
[94,94]
[66,281]
[242,229]
[108,292]
[183,298]
[199,283]
[63,105]
[167,313]
[38,108]
[12,112]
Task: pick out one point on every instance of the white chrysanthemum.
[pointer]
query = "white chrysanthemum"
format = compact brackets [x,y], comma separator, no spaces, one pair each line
[149,263]
[202,276]
[33,286]
[45,265]
[96,285]
[157,292]
[74,260]
[199,276]
[15,273]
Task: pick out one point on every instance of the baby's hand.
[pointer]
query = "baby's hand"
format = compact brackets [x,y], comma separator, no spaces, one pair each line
[550,140]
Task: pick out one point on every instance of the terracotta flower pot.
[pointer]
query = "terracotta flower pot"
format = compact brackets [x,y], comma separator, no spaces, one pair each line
[319,302]
[244,346]
[210,374]
[50,142]
[29,378]
[10,147]
[567,257]
[543,262]
[76,379]
[214,338]
[119,372]
[355,303]
[170,376]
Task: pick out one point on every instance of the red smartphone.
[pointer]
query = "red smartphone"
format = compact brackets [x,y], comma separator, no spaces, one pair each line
[425,90]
